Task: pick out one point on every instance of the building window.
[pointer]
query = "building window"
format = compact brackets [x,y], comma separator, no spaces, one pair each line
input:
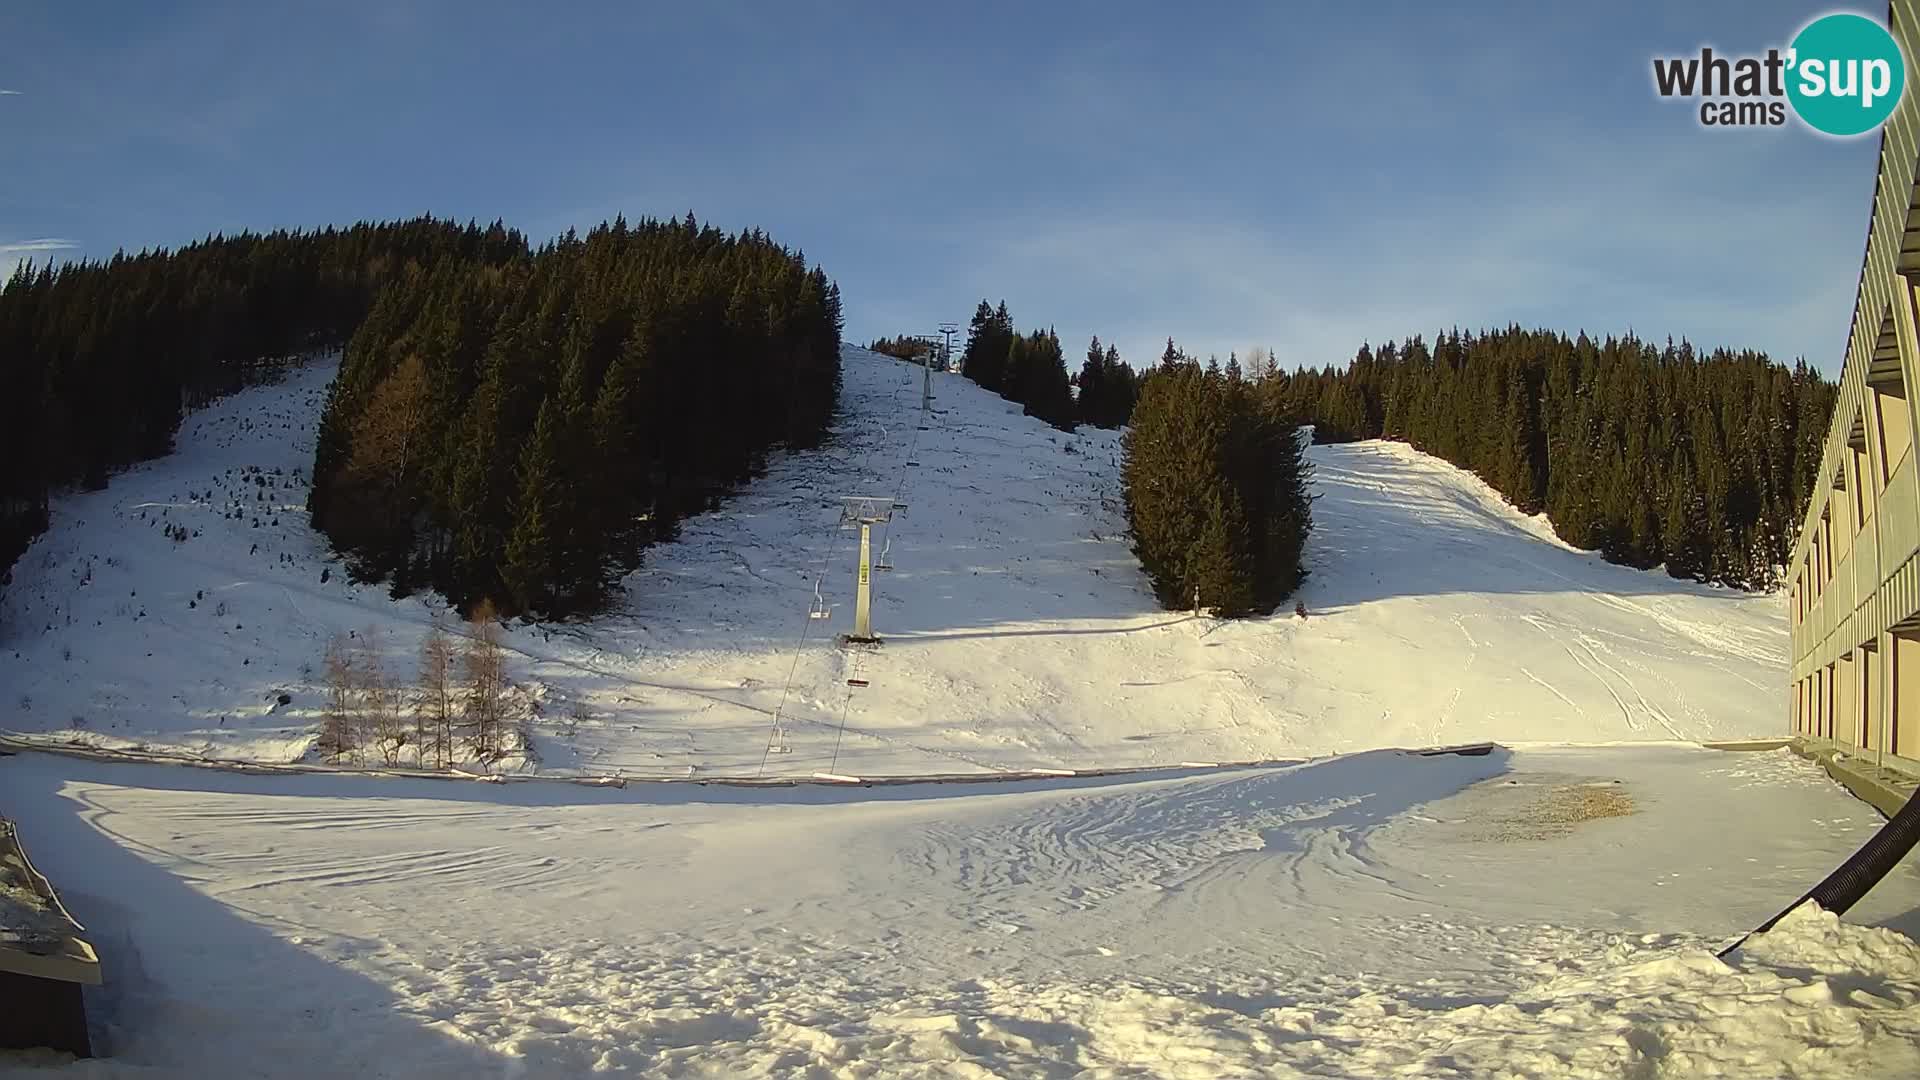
[1895,426]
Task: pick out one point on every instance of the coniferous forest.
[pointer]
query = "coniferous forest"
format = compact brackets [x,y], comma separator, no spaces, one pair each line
[1216,490]
[101,360]
[1650,455]
[508,424]
[1030,369]
[521,432]
[900,348]
[1108,387]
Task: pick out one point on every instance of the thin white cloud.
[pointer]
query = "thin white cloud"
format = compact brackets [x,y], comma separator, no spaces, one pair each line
[28,247]
[12,93]
[13,253]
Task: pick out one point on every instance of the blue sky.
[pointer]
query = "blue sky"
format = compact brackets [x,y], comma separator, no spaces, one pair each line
[1296,176]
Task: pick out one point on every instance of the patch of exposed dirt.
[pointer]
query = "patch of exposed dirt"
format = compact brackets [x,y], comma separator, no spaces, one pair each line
[1556,810]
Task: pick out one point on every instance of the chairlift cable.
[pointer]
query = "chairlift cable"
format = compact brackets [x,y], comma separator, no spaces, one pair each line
[806,628]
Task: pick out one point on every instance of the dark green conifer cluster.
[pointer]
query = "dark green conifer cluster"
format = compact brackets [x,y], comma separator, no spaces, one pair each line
[1030,370]
[520,432]
[101,360]
[1216,491]
[1108,387]
[1650,455]
[900,348]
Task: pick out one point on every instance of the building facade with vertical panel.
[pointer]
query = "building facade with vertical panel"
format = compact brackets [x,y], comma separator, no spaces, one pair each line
[1854,582]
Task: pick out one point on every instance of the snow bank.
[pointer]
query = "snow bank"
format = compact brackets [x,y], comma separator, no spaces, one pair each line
[1815,997]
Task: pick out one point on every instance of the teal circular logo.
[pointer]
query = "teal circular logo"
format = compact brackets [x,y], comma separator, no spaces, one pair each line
[1845,74]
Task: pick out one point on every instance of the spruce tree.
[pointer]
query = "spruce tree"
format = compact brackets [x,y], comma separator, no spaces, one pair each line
[529,570]
[1015,374]
[979,361]
[1123,387]
[1221,564]
[1215,492]
[989,338]
[1044,387]
[1093,403]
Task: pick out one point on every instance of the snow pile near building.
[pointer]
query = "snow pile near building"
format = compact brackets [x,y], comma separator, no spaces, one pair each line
[177,608]
[1814,997]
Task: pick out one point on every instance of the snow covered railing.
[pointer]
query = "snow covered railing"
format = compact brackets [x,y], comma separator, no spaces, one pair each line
[44,960]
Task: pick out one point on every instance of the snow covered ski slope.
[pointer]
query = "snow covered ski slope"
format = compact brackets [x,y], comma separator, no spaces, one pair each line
[1018,629]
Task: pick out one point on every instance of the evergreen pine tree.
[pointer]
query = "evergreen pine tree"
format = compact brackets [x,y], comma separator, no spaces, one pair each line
[1123,388]
[1094,403]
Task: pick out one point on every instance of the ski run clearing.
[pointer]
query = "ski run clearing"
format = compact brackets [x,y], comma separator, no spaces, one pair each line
[1545,909]
[1018,629]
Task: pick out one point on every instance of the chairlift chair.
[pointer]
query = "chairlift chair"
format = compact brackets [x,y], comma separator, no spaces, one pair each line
[779,743]
[820,610]
[885,562]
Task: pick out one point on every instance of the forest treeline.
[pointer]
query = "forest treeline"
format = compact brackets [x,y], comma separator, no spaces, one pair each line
[508,424]
[903,347]
[100,360]
[1649,454]
[520,432]
[1031,370]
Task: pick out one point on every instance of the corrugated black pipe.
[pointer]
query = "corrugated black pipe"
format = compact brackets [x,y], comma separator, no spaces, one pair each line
[1845,886]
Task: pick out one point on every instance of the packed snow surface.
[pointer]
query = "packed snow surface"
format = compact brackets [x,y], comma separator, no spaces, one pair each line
[1377,914]
[1018,630]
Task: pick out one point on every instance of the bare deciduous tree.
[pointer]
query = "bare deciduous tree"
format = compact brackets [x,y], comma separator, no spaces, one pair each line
[338,736]
[485,668]
[434,706]
[1259,363]
[379,700]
